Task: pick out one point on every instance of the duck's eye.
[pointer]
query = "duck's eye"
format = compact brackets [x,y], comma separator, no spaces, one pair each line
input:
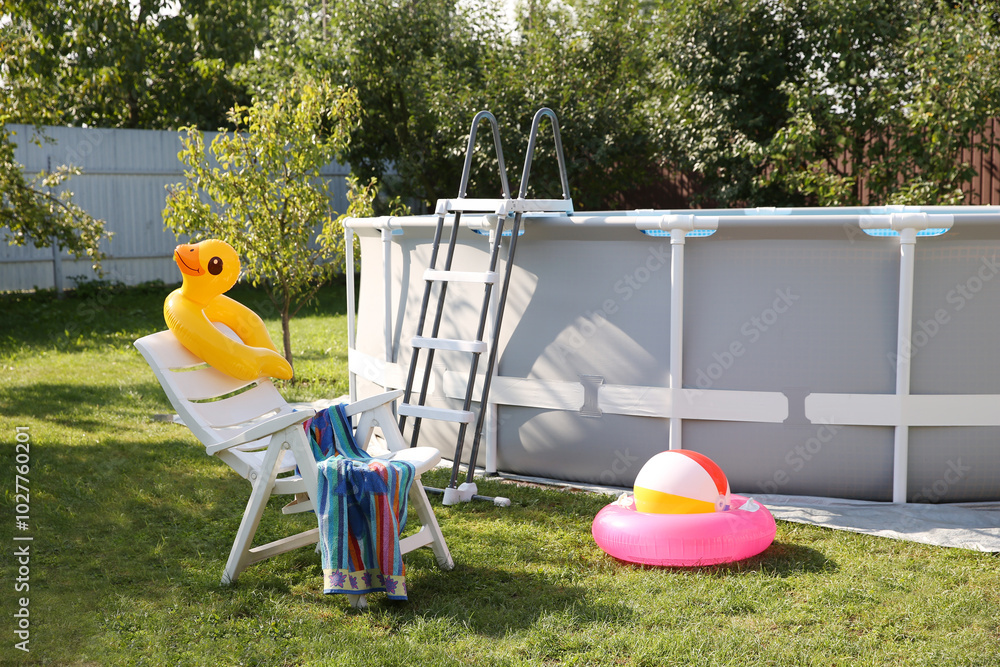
[215,266]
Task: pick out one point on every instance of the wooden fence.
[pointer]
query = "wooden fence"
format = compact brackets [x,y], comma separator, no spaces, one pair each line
[985,188]
[672,190]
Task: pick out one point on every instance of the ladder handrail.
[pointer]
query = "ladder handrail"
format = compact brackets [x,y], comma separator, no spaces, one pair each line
[471,147]
[505,208]
[532,139]
[442,214]
[495,342]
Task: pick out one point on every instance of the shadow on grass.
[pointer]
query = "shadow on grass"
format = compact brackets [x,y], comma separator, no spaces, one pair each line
[144,515]
[780,560]
[488,601]
[119,500]
[99,315]
[496,602]
[491,602]
[79,405]
[783,559]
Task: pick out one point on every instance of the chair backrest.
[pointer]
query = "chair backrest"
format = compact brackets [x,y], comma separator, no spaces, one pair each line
[214,405]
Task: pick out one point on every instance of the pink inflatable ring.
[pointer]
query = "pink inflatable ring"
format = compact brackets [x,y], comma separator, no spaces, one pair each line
[684,540]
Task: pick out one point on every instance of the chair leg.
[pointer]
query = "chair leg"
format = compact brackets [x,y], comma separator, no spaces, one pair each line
[419,502]
[240,556]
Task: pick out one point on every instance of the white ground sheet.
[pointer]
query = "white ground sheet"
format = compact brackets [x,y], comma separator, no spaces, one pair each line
[974,526]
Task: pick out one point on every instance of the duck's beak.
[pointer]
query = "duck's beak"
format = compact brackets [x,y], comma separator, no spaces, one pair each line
[187,259]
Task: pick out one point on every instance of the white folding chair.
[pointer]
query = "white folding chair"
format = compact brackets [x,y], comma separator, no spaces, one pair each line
[250,427]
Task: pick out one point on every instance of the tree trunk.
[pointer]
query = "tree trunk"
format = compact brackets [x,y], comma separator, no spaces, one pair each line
[286,335]
[858,165]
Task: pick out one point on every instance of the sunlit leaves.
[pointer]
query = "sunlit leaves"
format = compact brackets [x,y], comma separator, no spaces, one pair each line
[782,102]
[155,64]
[36,210]
[265,195]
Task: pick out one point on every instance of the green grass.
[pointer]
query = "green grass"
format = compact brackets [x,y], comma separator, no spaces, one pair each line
[132,524]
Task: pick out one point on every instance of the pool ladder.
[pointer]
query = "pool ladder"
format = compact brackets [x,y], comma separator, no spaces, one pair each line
[497,211]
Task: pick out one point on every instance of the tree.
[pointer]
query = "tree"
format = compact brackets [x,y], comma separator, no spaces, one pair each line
[590,64]
[31,213]
[266,197]
[721,67]
[407,60]
[30,210]
[826,102]
[298,43]
[423,69]
[895,93]
[151,64]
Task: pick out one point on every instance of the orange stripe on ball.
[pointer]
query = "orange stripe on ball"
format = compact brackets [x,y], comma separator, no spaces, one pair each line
[710,466]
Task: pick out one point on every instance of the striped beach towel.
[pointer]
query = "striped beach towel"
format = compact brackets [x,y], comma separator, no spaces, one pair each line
[361,507]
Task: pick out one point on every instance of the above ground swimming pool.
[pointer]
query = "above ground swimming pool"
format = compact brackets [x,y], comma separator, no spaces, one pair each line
[839,352]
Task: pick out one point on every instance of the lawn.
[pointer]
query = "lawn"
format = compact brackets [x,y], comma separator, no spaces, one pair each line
[131,524]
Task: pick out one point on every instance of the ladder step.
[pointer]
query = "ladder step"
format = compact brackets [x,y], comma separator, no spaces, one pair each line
[470,205]
[475,346]
[542,206]
[440,414]
[487,206]
[489,277]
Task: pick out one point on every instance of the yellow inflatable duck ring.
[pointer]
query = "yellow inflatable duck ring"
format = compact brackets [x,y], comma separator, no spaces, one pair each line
[211,268]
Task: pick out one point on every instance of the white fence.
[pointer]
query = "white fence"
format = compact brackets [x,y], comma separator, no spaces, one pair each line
[124,179]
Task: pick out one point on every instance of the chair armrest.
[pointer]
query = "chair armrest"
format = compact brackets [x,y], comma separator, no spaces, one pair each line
[265,428]
[372,402]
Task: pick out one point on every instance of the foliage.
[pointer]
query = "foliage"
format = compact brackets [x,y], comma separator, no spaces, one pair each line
[721,65]
[589,64]
[766,102]
[422,71]
[829,102]
[396,55]
[37,210]
[887,121]
[267,197]
[31,212]
[152,64]
[297,43]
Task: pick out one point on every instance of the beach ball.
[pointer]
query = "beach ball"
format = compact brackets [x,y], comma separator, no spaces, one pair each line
[680,481]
